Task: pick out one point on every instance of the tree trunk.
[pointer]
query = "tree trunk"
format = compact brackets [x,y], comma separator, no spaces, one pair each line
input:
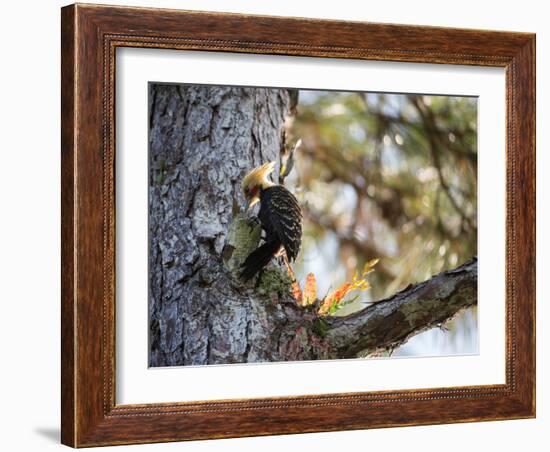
[203,140]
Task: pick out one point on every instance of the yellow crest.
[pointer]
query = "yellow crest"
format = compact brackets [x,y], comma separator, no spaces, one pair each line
[259,176]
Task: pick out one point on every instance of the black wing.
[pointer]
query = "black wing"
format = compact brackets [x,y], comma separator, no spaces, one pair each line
[284,214]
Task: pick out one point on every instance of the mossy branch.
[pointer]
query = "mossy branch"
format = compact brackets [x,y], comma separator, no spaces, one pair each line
[389,323]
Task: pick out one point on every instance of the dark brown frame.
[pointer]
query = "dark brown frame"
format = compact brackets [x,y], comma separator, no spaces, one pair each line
[90,35]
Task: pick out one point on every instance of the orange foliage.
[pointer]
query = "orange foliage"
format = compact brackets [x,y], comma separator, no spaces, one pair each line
[336,298]
[296,292]
[310,290]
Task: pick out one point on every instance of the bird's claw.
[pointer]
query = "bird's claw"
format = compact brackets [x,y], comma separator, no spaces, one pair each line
[253,222]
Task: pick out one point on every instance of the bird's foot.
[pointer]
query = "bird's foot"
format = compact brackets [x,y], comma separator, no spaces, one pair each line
[253,222]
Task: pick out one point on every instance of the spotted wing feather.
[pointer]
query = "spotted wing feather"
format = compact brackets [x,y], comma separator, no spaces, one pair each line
[285,217]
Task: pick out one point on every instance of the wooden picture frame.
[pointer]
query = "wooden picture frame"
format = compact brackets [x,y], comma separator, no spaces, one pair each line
[90,36]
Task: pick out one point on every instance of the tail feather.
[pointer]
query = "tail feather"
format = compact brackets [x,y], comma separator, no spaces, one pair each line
[259,258]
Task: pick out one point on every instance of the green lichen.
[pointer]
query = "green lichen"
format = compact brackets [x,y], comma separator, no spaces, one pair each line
[320,327]
[243,237]
[274,280]
[159,172]
[301,338]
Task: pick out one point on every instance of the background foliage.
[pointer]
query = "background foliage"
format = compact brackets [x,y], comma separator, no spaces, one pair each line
[393,177]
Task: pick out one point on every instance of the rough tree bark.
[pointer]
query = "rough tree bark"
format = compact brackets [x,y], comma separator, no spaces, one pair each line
[203,140]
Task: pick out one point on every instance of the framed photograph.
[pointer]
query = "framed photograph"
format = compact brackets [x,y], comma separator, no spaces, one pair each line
[282,225]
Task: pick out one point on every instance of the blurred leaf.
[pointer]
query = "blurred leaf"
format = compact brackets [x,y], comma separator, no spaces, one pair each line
[369,266]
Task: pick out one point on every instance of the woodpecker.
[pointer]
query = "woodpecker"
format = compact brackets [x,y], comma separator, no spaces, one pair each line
[280,217]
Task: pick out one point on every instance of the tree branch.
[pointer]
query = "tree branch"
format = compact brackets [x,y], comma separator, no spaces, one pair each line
[429,119]
[389,323]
